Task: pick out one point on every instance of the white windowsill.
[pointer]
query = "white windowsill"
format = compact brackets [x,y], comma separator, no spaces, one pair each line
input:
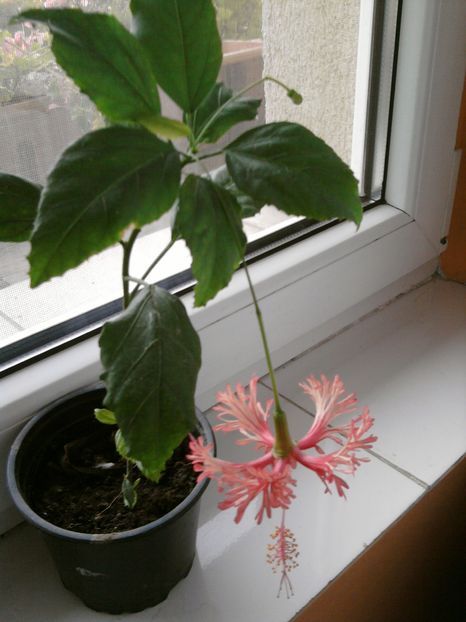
[407,362]
[288,285]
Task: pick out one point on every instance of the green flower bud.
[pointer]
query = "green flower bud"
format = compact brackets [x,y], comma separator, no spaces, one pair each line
[295,97]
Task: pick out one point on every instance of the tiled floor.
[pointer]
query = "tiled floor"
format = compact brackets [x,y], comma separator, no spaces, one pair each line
[407,361]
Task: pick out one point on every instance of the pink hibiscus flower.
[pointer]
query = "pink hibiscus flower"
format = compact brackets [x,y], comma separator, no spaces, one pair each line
[270,477]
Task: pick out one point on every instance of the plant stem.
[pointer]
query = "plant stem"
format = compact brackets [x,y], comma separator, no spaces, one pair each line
[232,99]
[127,248]
[279,82]
[140,281]
[209,155]
[134,279]
[264,338]
[188,159]
[158,258]
[283,443]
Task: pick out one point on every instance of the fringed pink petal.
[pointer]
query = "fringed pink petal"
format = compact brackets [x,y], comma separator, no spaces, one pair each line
[274,488]
[241,412]
[344,460]
[205,463]
[325,468]
[325,395]
[241,483]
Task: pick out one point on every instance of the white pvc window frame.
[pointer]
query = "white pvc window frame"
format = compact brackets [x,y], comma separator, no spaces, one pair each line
[310,290]
[363,67]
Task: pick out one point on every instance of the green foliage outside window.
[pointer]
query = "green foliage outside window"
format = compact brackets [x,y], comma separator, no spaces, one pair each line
[239,19]
[28,68]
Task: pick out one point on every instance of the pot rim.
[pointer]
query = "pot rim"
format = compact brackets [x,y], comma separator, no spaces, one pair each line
[49,528]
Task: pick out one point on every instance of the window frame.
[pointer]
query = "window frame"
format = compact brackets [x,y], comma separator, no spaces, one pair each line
[377,26]
[396,246]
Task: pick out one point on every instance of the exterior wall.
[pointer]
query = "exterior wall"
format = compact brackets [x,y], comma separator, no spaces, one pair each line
[311,45]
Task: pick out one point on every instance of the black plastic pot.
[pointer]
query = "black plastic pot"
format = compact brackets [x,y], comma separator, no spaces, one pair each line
[118,572]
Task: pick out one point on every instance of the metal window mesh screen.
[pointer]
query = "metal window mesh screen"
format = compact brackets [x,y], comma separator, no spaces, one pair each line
[41,112]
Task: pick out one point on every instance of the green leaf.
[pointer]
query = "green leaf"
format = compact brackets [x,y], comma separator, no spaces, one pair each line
[18,206]
[105,60]
[120,444]
[183,45]
[165,127]
[151,355]
[122,449]
[249,207]
[128,490]
[218,113]
[209,219]
[286,165]
[105,182]
[105,416]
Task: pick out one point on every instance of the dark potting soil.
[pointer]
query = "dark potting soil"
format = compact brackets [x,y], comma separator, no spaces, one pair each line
[78,486]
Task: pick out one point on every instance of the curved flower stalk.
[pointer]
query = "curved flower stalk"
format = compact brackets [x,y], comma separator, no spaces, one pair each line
[270,477]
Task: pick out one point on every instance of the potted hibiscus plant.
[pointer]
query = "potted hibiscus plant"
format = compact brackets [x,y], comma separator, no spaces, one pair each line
[104,188]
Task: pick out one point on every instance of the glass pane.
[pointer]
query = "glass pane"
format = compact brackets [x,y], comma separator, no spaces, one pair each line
[311,45]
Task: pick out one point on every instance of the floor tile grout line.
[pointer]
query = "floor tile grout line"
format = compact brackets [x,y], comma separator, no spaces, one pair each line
[400,470]
[301,408]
